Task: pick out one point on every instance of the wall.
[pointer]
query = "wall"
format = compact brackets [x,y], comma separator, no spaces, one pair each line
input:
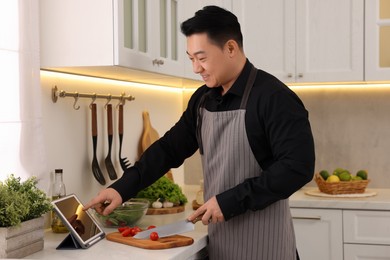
[351,127]
[67,131]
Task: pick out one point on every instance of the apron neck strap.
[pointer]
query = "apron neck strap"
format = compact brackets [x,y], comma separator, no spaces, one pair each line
[248,87]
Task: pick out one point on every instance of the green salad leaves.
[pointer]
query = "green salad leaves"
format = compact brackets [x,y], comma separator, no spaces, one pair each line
[165,190]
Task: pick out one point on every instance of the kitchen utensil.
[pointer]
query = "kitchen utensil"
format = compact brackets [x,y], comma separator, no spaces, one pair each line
[170,229]
[163,211]
[95,165]
[123,161]
[161,243]
[110,167]
[149,136]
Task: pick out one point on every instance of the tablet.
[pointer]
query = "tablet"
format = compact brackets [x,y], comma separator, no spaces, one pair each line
[81,225]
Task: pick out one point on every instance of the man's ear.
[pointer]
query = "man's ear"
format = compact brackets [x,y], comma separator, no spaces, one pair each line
[232,46]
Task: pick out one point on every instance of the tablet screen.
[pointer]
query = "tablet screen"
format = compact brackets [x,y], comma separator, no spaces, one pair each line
[81,221]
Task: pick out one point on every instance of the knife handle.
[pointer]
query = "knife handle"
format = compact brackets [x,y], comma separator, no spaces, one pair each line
[198,218]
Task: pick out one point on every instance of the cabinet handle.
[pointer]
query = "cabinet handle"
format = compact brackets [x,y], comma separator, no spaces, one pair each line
[300,75]
[289,75]
[157,62]
[308,218]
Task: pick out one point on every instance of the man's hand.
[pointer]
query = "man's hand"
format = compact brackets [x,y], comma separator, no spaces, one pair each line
[211,212]
[105,202]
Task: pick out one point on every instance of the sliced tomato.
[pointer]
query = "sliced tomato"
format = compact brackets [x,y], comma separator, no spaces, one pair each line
[150,227]
[127,232]
[137,229]
[121,229]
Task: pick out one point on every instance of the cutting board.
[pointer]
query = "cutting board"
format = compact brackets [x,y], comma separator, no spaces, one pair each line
[161,211]
[161,243]
[149,136]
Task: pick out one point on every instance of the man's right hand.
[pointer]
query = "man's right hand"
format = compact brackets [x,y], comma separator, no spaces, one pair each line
[105,202]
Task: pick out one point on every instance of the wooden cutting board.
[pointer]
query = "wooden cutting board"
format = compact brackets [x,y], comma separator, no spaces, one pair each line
[149,136]
[161,211]
[161,243]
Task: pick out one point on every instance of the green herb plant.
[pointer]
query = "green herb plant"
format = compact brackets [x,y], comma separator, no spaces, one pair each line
[165,190]
[21,201]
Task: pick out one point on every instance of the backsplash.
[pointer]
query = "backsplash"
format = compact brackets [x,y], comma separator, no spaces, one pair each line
[68,134]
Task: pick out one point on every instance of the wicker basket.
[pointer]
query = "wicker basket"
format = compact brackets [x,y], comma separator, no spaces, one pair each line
[341,187]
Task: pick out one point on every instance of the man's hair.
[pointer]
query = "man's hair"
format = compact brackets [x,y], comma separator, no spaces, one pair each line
[219,24]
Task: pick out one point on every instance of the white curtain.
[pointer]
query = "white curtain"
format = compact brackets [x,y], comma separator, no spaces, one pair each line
[22,150]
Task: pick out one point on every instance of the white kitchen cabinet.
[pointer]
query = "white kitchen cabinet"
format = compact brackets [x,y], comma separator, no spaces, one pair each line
[318,233]
[304,40]
[105,36]
[366,234]
[190,8]
[377,40]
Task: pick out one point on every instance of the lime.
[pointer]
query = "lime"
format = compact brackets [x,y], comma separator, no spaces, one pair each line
[333,178]
[356,178]
[324,174]
[337,171]
[362,174]
[345,176]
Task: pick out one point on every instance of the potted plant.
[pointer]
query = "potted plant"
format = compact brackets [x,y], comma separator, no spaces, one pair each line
[22,206]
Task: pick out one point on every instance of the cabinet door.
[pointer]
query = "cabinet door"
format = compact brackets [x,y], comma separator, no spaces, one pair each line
[377,40]
[304,40]
[363,252]
[268,28]
[148,36]
[73,35]
[329,40]
[318,233]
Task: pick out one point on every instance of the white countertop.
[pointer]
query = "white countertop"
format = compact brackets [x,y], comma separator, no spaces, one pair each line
[105,249]
[381,201]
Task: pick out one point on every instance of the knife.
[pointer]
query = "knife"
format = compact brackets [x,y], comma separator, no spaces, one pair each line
[170,229]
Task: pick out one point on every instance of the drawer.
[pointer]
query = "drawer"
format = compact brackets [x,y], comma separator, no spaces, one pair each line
[354,251]
[366,227]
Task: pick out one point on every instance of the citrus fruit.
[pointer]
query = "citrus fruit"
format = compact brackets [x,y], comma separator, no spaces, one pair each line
[337,171]
[356,178]
[324,174]
[333,178]
[345,176]
[362,174]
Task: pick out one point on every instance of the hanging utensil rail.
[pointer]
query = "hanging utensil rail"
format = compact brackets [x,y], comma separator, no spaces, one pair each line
[76,95]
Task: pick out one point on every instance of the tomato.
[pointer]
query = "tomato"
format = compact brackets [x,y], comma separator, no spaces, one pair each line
[154,236]
[121,229]
[137,229]
[127,232]
[150,227]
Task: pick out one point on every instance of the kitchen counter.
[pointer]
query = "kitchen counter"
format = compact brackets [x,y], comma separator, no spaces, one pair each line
[381,201]
[105,249]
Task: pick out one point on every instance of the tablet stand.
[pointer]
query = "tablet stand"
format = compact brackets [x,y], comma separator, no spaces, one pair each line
[69,243]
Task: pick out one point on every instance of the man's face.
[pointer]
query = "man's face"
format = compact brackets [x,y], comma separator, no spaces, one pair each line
[208,60]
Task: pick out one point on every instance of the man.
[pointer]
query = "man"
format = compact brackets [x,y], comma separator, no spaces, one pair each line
[255,142]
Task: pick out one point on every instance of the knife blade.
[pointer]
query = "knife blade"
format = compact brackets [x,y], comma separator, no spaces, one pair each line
[170,229]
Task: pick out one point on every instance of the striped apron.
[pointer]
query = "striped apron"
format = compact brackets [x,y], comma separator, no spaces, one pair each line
[227,161]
